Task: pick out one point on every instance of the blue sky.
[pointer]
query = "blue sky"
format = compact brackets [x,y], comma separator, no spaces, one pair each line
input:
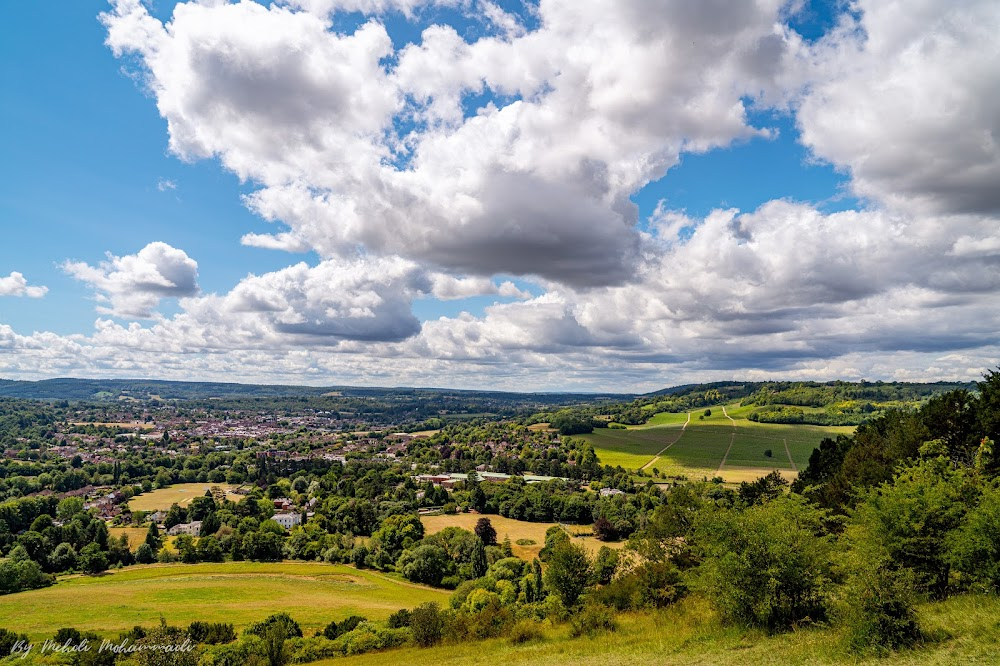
[88,171]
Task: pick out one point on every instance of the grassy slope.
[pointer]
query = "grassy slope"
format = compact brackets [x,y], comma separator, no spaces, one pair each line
[237,592]
[964,630]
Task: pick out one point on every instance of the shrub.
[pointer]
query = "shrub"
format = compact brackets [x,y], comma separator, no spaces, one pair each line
[525,631]
[211,632]
[766,566]
[650,585]
[399,619]
[592,619]
[878,610]
[427,624]
[8,639]
[291,627]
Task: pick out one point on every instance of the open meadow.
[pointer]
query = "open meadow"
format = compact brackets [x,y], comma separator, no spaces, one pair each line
[238,592]
[724,443]
[181,494]
[515,529]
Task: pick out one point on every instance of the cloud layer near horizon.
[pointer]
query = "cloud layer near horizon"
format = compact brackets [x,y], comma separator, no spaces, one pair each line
[372,158]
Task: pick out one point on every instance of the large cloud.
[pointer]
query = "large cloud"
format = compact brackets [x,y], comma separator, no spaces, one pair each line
[348,150]
[16,284]
[133,285]
[907,98]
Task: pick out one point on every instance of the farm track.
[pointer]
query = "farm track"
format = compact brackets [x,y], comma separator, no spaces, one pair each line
[788,452]
[732,440]
[661,451]
[726,414]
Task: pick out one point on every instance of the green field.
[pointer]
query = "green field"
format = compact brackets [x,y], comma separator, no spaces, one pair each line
[712,445]
[963,630]
[237,592]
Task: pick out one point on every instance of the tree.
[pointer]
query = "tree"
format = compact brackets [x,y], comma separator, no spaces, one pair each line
[478,560]
[605,565]
[63,558]
[175,516]
[426,564]
[427,624]
[397,533]
[153,538]
[92,559]
[568,572]
[484,530]
[604,530]
[144,554]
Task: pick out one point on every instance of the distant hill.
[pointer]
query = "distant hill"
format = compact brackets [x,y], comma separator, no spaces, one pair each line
[146,389]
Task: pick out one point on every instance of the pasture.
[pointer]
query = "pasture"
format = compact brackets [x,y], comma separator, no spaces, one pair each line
[238,592]
[722,444]
[515,529]
[181,494]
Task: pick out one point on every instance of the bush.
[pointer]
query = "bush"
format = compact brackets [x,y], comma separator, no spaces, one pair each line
[8,639]
[291,627]
[765,566]
[427,624]
[878,610]
[650,585]
[399,619]
[211,632]
[592,619]
[525,631]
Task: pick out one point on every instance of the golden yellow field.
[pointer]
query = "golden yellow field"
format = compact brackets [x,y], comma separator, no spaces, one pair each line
[182,493]
[136,535]
[515,529]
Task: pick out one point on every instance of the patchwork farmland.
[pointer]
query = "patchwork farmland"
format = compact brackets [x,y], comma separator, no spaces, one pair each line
[723,443]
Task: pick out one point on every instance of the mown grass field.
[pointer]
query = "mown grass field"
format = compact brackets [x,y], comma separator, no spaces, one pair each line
[962,630]
[238,592]
[722,444]
[515,529]
[181,493]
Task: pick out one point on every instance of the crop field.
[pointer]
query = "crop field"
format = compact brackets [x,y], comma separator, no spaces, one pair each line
[181,493]
[136,535]
[238,592]
[515,529]
[722,444]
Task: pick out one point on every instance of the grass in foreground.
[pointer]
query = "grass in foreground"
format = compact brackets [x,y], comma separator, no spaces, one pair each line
[237,592]
[963,630]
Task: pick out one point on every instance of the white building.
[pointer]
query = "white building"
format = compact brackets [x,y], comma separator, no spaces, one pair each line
[193,528]
[287,520]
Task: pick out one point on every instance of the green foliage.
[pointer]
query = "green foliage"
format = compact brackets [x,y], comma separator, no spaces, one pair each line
[877,606]
[592,619]
[605,565]
[911,519]
[427,624]
[974,548]
[92,559]
[766,566]
[396,534]
[649,585]
[568,572]
[211,632]
[290,627]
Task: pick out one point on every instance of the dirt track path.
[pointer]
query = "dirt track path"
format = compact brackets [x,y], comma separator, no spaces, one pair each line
[789,454]
[661,451]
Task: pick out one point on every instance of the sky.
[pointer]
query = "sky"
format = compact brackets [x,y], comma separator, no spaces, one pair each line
[583,195]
